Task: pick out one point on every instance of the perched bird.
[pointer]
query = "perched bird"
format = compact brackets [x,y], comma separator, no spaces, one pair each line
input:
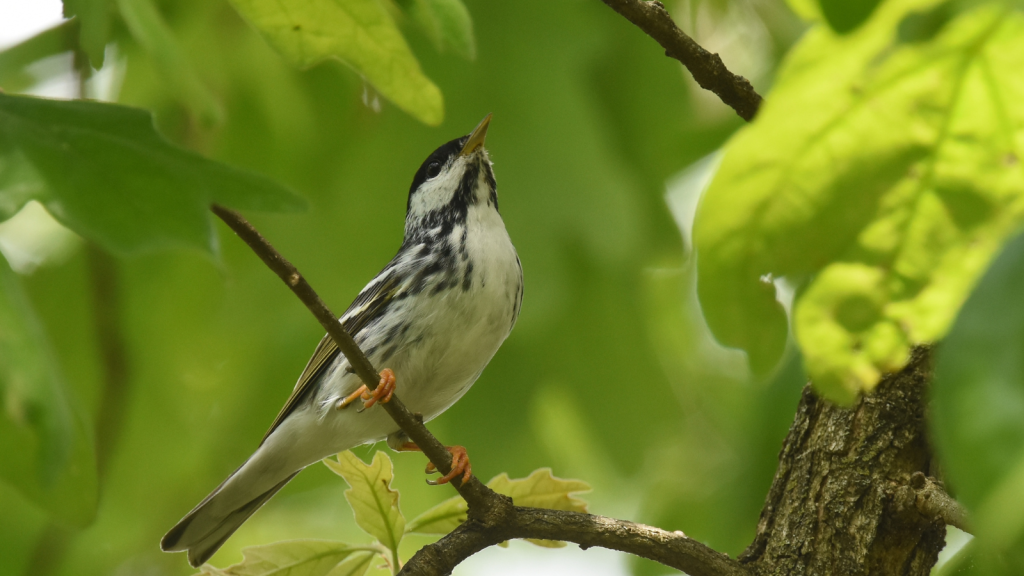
[434,316]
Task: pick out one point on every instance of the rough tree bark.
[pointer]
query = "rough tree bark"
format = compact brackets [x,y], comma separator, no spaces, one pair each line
[839,501]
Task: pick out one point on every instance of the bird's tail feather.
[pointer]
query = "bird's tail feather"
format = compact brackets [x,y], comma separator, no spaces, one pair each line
[209,530]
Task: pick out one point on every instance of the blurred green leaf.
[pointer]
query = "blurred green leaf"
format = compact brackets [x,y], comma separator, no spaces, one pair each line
[94,29]
[19,183]
[542,490]
[447,23]
[13,61]
[539,490]
[809,10]
[46,451]
[978,408]
[360,33]
[112,178]
[293,558]
[923,25]
[151,32]
[846,15]
[895,166]
[374,503]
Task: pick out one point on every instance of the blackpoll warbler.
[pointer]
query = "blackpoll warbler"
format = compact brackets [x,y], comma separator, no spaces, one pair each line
[435,315]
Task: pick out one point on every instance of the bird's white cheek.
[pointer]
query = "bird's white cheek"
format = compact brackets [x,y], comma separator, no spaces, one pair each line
[435,193]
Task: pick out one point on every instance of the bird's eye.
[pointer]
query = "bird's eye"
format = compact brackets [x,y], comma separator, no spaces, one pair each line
[433,169]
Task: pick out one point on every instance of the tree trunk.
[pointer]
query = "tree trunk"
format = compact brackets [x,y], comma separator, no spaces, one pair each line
[835,504]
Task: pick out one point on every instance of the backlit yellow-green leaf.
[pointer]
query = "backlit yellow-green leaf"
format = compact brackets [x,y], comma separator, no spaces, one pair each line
[842,315]
[374,503]
[290,558]
[542,490]
[360,33]
[898,163]
[539,490]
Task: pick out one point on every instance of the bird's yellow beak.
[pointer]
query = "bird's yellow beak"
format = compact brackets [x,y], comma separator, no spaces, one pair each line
[476,139]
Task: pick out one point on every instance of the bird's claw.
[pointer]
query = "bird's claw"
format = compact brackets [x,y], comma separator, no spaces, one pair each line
[382,393]
[460,466]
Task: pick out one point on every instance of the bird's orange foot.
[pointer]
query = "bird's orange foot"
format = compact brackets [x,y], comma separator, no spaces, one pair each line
[460,466]
[383,392]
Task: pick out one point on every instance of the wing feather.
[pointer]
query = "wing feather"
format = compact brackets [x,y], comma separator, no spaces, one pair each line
[370,304]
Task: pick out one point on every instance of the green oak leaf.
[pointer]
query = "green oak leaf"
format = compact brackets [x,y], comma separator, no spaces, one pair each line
[447,23]
[296,558]
[374,503]
[94,29]
[977,416]
[46,449]
[19,183]
[891,165]
[360,33]
[540,489]
[111,177]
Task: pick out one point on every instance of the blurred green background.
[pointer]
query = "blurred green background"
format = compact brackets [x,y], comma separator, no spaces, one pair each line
[602,147]
[603,377]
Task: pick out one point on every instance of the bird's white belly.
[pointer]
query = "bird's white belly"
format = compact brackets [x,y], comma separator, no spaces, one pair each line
[460,335]
[451,337]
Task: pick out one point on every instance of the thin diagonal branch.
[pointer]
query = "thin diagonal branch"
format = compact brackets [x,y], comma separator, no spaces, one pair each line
[672,549]
[475,493]
[707,68]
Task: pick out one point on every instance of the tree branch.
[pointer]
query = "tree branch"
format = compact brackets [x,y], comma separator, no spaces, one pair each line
[672,549]
[929,498]
[492,517]
[707,68]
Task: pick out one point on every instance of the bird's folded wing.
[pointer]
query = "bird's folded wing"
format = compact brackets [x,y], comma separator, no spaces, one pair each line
[370,304]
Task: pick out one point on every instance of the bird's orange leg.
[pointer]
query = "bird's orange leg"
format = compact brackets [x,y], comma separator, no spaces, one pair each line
[383,392]
[460,463]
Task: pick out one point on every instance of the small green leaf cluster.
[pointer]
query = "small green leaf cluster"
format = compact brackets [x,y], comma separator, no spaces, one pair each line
[375,508]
